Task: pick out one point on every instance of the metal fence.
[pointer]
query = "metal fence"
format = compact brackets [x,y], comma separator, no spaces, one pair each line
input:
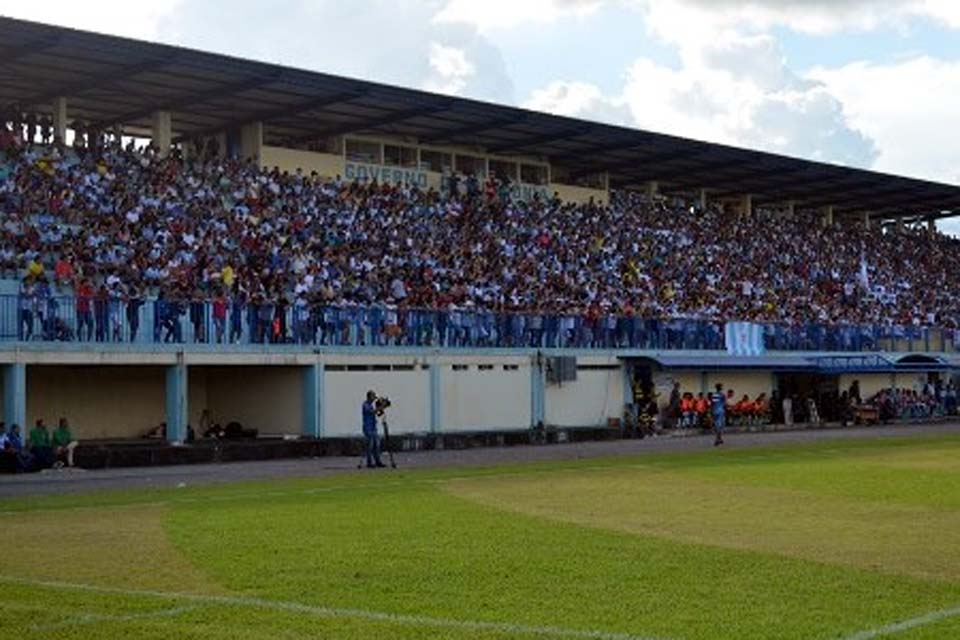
[158,321]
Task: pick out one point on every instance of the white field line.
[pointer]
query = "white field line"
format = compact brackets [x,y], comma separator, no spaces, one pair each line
[338,612]
[906,625]
[94,618]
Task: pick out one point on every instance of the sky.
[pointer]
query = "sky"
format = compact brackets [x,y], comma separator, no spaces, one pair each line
[872,84]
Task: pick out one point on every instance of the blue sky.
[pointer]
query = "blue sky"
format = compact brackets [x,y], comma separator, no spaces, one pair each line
[871,83]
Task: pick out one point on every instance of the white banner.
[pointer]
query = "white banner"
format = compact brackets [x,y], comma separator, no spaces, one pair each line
[744,339]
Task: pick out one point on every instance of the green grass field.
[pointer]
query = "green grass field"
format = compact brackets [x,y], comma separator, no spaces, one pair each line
[850,540]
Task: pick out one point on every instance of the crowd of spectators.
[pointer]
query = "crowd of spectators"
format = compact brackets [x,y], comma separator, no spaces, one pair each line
[932,400]
[689,410]
[227,244]
[42,449]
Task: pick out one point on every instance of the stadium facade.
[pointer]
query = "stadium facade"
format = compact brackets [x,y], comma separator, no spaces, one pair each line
[298,120]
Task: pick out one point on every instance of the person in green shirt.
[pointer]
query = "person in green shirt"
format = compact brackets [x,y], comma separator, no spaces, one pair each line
[63,442]
[40,444]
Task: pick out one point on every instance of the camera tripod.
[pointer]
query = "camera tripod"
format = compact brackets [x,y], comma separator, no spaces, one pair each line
[385,448]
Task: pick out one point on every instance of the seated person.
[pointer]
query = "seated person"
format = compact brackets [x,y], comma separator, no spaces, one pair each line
[688,410]
[159,431]
[743,410]
[8,457]
[41,446]
[24,461]
[731,403]
[703,411]
[63,443]
[761,409]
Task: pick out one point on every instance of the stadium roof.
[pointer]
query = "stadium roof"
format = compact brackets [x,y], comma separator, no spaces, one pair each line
[109,80]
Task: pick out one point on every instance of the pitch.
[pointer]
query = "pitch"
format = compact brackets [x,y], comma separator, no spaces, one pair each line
[853,540]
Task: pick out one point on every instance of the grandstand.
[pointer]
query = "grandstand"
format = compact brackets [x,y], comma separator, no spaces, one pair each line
[289,239]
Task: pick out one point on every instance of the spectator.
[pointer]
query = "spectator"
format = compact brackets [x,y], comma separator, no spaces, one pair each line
[8,457]
[718,405]
[41,447]
[22,459]
[675,413]
[63,444]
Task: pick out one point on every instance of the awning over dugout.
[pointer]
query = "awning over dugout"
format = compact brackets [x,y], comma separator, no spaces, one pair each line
[109,80]
[801,362]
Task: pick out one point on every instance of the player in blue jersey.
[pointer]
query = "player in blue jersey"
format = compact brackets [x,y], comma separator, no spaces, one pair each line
[718,407]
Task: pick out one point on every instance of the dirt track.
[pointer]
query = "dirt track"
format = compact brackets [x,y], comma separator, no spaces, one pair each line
[76,482]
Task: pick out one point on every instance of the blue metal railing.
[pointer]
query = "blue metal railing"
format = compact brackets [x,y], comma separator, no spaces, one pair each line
[158,321]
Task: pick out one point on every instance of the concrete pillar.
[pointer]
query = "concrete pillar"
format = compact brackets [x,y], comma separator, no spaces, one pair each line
[313,400]
[746,206]
[704,201]
[931,226]
[162,132]
[827,219]
[436,398]
[60,120]
[653,187]
[865,218]
[176,401]
[15,396]
[538,390]
[251,141]
[791,209]
[627,382]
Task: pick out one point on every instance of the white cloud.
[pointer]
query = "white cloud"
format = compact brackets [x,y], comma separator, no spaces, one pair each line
[451,69]
[909,108]
[581,100]
[672,19]
[731,90]
[500,14]
[393,41]
[116,17]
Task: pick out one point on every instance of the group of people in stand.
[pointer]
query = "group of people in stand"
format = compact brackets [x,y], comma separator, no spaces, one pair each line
[109,225]
[696,410]
[43,448]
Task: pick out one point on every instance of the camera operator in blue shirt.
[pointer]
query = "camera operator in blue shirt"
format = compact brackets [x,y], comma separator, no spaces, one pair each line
[371,438]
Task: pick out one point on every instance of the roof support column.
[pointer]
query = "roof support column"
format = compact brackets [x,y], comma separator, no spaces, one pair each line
[60,120]
[313,400]
[15,395]
[704,201]
[176,401]
[652,188]
[791,209]
[932,226]
[251,141]
[827,219]
[746,206]
[162,132]
[865,217]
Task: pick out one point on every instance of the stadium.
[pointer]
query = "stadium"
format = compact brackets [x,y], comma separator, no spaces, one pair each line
[639,386]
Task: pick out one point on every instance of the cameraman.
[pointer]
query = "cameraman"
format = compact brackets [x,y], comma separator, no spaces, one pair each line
[370,413]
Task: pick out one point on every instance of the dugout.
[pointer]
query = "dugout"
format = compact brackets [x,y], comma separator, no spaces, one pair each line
[268,399]
[102,402]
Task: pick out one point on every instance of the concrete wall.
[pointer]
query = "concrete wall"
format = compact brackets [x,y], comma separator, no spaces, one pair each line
[476,398]
[100,402]
[345,391]
[106,399]
[870,383]
[328,165]
[590,400]
[742,382]
[579,195]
